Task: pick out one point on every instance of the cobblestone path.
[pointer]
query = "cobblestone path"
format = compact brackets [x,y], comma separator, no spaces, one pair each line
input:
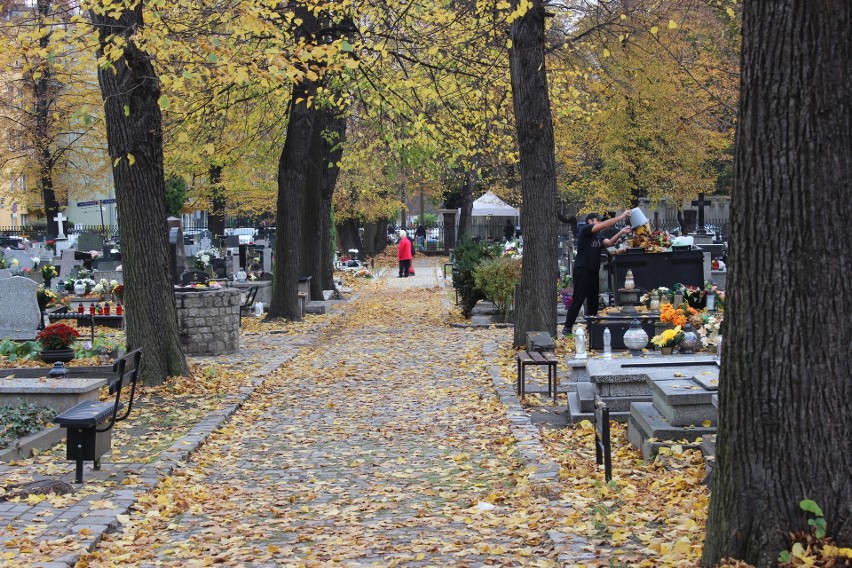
[383,444]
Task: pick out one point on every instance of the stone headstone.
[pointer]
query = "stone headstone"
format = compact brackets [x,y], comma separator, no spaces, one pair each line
[24,258]
[90,240]
[232,241]
[62,245]
[177,255]
[267,260]
[5,273]
[232,265]
[539,341]
[20,316]
[67,263]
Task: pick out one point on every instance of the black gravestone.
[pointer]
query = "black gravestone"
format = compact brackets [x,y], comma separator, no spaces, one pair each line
[177,256]
[652,270]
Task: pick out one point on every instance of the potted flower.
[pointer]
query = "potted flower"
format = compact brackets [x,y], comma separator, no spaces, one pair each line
[118,291]
[48,273]
[56,340]
[45,297]
[668,339]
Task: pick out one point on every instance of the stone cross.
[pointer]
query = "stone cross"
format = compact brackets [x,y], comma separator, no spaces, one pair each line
[700,203]
[67,263]
[60,232]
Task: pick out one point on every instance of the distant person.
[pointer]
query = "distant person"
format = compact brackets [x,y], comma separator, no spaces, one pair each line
[420,235]
[587,264]
[403,254]
[509,230]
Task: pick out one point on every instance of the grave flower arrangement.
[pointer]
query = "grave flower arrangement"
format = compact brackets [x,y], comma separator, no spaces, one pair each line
[203,258]
[50,245]
[669,337]
[57,336]
[118,290]
[676,316]
[6,262]
[48,272]
[566,292]
[45,297]
[692,295]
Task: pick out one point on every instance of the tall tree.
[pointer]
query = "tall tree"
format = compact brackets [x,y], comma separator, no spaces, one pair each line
[535,305]
[131,90]
[784,415]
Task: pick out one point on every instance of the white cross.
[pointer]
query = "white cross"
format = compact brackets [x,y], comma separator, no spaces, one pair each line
[59,219]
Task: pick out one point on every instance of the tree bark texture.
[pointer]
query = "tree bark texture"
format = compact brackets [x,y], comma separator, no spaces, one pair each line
[785,420]
[332,151]
[130,90]
[311,253]
[347,232]
[45,92]
[216,218]
[292,171]
[536,304]
[466,204]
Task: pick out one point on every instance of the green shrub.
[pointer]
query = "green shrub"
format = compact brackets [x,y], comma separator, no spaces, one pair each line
[468,255]
[497,278]
[22,420]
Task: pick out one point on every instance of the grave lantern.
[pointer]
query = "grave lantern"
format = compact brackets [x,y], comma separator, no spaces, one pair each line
[635,338]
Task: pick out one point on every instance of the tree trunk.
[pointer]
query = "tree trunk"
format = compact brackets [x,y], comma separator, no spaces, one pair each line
[312,222]
[466,204]
[536,309]
[45,97]
[784,417]
[347,232]
[216,218]
[332,151]
[130,91]
[292,170]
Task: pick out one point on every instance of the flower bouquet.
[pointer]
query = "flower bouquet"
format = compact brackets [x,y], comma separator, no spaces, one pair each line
[49,272]
[117,290]
[676,316]
[45,298]
[669,338]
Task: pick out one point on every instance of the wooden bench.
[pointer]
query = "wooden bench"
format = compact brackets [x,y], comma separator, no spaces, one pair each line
[603,446]
[89,424]
[247,306]
[526,358]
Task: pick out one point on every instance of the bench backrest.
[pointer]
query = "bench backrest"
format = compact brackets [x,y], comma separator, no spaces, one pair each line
[126,371]
[250,296]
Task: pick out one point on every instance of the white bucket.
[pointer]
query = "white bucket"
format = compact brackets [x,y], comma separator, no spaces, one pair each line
[637,218]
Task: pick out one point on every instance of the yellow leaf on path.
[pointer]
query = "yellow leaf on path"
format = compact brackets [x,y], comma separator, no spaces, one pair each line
[654,30]
[672,24]
[85,531]
[122,519]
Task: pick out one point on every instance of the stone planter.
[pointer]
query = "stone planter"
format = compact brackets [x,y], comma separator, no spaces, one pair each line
[56,355]
[209,321]
[666,350]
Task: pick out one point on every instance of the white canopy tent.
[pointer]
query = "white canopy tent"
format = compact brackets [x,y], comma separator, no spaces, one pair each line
[490,204]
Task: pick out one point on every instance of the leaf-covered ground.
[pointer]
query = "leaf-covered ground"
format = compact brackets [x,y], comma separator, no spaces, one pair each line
[381,442]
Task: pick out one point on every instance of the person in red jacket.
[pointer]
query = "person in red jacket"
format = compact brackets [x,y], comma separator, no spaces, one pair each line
[403,254]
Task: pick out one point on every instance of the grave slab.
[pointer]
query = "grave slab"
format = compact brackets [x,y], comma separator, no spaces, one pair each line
[683,402]
[58,394]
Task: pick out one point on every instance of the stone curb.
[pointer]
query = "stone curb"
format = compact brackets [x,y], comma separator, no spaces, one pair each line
[544,472]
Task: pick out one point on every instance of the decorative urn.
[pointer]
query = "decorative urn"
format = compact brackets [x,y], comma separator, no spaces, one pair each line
[635,338]
[691,341]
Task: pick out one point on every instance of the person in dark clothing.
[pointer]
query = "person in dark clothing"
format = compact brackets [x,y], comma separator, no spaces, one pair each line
[420,235]
[587,263]
[509,230]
